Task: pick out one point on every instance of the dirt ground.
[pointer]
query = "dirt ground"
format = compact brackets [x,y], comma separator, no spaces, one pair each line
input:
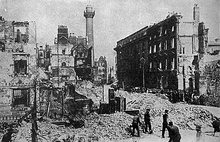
[187,136]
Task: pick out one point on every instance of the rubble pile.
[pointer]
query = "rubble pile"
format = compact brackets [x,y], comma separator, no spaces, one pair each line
[110,126]
[183,115]
[114,126]
[46,132]
[4,126]
[104,126]
[91,91]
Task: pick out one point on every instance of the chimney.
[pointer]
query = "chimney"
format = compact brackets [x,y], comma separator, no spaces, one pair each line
[196,13]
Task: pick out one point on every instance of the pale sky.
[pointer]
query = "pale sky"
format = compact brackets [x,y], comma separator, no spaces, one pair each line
[114,19]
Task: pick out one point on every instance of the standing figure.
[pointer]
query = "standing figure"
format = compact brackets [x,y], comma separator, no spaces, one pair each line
[173,132]
[165,117]
[147,120]
[135,124]
[200,137]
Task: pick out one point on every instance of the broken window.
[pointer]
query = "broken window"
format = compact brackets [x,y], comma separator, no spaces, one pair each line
[155,47]
[165,45]
[173,43]
[160,65]
[55,72]
[173,27]
[165,64]
[63,51]
[20,66]
[165,32]
[150,66]
[41,54]
[155,65]
[150,49]
[18,36]
[48,54]
[159,47]
[172,63]
[160,31]
[20,97]
[2,46]
[183,50]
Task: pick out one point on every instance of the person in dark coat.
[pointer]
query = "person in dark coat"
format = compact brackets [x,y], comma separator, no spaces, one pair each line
[165,117]
[173,132]
[147,121]
[135,124]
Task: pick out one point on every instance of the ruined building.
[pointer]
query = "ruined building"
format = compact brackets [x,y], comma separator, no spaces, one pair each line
[18,67]
[165,55]
[43,56]
[62,60]
[74,52]
[82,59]
[210,73]
[213,47]
[100,73]
[17,36]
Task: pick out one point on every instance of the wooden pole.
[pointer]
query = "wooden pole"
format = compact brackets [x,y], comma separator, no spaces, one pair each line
[34,114]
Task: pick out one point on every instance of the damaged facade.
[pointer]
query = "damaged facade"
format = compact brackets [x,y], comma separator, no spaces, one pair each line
[18,67]
[165,55]
[43,56]
[79,51]
[82,59]
[209,73]
[18,89]
[15,36]
[213,47]
[62,59]
[100,71]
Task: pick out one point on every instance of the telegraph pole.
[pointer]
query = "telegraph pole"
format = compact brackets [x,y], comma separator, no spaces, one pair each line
[34,114]
[184,84]
[34,109]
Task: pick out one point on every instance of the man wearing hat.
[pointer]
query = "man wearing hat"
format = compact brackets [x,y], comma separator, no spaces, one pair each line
[135,124]
[147,120]
[199,135]
[173,133]
[165,117]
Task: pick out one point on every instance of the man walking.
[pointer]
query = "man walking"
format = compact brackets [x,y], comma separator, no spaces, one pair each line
[135,124]
[173,132]
[147,121]
[165,117]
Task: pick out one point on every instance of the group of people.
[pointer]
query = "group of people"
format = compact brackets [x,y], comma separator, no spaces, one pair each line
[173,130]
[136,122]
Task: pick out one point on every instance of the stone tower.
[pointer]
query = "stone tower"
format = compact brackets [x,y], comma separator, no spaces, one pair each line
[89,14]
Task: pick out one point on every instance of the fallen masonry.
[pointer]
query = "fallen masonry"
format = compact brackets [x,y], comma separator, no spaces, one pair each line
[103,127]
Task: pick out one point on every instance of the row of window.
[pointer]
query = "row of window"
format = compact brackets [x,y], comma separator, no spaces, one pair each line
[160,32]
[140,50]
[100,70]
[162,65]
[165,45]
